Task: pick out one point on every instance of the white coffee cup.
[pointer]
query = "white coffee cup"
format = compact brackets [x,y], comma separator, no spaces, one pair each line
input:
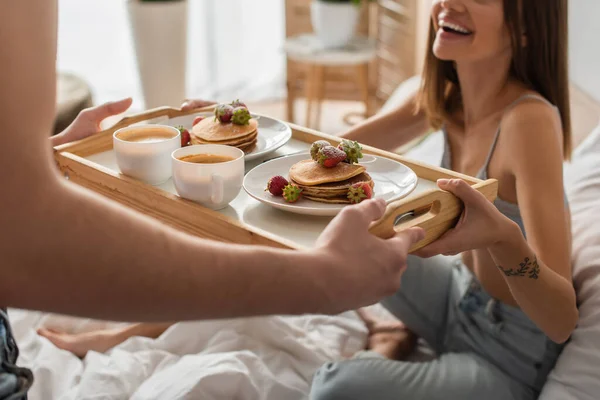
[144,152]
[215,184]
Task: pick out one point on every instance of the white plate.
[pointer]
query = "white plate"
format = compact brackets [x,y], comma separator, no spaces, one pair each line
[272,133]
[393,181]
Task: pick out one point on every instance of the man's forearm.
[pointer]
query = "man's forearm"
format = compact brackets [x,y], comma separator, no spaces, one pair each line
[128,253]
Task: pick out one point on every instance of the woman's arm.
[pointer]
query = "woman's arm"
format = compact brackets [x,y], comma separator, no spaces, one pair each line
[393,129]
[66,249]
[88,121]
[538,270]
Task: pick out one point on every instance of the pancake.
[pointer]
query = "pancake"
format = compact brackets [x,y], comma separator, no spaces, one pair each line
[210,130]
[341,198]
[248,148]
[231,142]
[311,173]
[334,189]
[332,200]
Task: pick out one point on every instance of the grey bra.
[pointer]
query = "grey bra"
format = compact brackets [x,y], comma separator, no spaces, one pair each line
[510,210]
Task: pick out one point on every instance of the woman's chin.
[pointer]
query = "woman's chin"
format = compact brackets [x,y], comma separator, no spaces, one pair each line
[443,54]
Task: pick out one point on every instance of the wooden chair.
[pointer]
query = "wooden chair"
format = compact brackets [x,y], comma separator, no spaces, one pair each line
[396,26]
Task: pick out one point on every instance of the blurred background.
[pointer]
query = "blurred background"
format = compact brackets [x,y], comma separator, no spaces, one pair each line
[160,52]
[325,64]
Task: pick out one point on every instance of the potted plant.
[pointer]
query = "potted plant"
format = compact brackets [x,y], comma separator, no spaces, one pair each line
[335,21]
[159,31]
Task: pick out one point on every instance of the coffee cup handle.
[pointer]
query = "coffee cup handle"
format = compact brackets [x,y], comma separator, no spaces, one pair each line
[217,189]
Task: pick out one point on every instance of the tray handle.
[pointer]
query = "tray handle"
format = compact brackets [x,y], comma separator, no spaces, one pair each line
[170,112]
[435,211]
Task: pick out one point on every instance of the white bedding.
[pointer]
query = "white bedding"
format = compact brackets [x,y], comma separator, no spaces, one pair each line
[269,358]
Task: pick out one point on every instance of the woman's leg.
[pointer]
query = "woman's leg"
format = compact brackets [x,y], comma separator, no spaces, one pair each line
[102,340]
[422,302]
[426,303]
[451,376]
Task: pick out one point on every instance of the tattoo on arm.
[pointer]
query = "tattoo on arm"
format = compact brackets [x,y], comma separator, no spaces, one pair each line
[528,268]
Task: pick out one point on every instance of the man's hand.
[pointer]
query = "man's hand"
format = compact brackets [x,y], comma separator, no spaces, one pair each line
[364,268]
[88,121]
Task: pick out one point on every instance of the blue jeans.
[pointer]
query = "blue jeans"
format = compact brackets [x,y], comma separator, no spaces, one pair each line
[486,349]
[14,381]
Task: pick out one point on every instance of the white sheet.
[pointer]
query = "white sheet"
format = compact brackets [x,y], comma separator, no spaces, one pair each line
[261,358]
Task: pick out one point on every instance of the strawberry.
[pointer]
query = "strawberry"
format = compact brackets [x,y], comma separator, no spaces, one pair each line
[360,191]
[291,193]
[197,119]
[276,184]
[238,103]
[185,136]
[330,156]
[316,146]
[241,116]
[352,149]
[224,113]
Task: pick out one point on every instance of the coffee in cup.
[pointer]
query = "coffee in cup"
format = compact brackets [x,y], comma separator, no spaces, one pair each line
[209,174]
[153,136]
[144,152]
[206,158]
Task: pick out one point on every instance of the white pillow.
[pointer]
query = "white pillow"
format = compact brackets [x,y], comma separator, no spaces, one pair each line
[576,375]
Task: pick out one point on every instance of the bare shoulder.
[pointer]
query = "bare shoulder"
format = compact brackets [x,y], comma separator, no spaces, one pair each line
[533,125]
[532,132]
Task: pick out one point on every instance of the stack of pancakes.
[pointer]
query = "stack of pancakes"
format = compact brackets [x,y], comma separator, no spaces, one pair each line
[328,185]
[209,131]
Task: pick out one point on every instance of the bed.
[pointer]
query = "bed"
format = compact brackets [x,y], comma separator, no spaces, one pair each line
[251,358]
[273,358]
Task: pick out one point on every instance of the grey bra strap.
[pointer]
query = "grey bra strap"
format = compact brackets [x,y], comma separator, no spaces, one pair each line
[527,97]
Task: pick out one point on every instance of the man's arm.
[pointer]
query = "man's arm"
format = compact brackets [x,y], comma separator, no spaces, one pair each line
[65,249]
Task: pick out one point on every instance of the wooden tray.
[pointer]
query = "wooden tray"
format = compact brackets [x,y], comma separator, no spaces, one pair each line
[91,163]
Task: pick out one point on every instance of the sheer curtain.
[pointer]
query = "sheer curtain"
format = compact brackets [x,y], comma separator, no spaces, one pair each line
[234,49]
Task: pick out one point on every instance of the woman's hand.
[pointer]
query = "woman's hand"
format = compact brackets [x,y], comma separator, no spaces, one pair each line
[480,225]
[88,121]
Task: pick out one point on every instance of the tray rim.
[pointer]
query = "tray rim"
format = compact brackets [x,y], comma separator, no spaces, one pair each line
[192,218]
